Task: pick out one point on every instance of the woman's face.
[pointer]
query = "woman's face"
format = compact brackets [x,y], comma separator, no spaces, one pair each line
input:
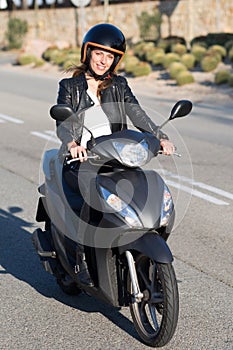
[101,61]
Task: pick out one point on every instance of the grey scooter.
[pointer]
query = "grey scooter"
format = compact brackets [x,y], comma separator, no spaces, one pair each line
[123,223]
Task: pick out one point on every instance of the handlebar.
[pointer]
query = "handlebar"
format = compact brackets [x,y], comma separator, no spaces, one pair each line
[97,157]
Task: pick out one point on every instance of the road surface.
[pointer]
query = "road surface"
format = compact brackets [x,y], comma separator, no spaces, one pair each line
[34,312]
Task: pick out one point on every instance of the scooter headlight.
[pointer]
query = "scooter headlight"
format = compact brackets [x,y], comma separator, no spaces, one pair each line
[124,210]
[167,207]
[132,155]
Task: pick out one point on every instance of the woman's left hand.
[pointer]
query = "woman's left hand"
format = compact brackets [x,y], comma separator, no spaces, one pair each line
[167,147]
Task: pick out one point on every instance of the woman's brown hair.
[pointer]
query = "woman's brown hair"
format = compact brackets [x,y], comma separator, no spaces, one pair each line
[78,70]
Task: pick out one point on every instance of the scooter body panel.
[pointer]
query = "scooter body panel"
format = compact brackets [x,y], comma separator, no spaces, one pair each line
[142,190]
[102,266]
[151,245]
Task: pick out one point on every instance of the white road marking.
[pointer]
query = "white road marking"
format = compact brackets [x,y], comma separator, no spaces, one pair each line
[51,132]
[196,193]
[197,184]
[4,118]
[48,135]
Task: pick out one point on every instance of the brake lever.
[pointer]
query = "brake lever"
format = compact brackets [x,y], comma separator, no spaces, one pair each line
[77,159]
[173,154]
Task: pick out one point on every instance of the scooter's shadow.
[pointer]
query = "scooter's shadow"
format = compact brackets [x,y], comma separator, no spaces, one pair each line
[18,258]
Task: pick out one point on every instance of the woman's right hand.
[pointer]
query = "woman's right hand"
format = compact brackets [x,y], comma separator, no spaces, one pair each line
[77,151]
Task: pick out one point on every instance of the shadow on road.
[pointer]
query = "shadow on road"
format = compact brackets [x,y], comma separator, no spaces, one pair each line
[18,258]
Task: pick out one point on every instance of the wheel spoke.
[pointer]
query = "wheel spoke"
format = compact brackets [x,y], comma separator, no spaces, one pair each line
[156,288]
[144,277]
[147,307]
[142,307]
[153,316]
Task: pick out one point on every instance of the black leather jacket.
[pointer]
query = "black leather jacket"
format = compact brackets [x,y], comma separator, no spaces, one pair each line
[117,101]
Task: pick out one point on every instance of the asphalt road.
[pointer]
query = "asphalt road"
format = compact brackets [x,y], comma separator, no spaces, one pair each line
[34,312]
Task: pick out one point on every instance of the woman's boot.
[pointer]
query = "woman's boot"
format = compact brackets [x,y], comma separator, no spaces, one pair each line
[82,268]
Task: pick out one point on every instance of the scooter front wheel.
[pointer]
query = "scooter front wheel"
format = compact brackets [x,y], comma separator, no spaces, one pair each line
[155,316]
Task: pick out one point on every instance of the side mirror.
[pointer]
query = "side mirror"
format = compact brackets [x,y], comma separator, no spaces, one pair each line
[181,109]
[61,112]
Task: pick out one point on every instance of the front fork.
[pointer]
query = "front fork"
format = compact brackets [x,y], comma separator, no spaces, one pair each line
[137,294]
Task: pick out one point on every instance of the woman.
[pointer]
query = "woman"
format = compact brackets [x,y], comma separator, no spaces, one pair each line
[94,87]
[95,82]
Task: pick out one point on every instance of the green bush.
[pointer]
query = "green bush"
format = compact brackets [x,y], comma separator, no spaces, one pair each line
[178,48]
[175,68]
[16,31]
[167,43]
[129,63]
[169,58]
[158,58]
[141,69]
[39,62]
[188,60]
[215,54]
[213,39]
[71,59]
[140,49]
[74,57]
[229,45]
[68,64]
[149,25]
[198,52]
[164,45]
[222,77]
[184,77]
[209,63]
[230,55]
[59,57]
[199,41]
[219,49]
[152,52]
[230,80]
[48,53]
[26,59]
[219,38]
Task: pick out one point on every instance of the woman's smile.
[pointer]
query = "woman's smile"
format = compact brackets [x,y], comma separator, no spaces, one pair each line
[101,61]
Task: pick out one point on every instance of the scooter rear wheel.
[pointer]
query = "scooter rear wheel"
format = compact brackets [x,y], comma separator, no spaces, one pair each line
[155,317]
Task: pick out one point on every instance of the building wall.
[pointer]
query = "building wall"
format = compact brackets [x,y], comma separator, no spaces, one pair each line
[186,18]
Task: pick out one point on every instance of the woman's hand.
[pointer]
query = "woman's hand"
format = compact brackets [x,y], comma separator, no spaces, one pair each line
[167,147]
[77,151]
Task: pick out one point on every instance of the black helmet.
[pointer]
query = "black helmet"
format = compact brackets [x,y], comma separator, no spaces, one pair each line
[105,36]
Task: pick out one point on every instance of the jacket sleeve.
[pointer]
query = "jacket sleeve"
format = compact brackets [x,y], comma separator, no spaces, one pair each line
[137,115]
[65,128]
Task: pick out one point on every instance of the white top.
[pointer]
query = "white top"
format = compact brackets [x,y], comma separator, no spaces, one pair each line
[95,120]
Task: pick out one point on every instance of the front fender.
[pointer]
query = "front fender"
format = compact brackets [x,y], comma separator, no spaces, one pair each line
[151,245]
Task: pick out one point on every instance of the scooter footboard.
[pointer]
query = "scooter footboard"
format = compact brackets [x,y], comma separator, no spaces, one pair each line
[151,245]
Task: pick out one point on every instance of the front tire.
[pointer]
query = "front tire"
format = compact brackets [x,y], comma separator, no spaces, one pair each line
[155,317]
